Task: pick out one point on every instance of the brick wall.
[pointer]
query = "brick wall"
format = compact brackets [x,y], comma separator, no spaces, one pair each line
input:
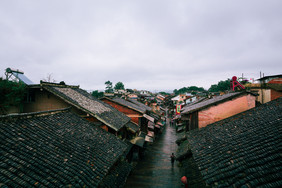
[275,94]
[225,110]
[275,81]
[134,115]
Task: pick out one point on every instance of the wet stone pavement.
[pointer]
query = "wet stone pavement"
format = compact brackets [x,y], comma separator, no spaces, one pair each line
[155,169]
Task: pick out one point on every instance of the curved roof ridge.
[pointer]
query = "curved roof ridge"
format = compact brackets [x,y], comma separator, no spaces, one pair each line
[61,84]
[33,114]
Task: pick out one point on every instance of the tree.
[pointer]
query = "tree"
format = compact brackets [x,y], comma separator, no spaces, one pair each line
[213,88]
[119,85]
[164,93]
[154,101]
[12,94]
[97,94]
[221,86]
[130,90]
[195,88]
[191,89]
[109,87]
[49,78]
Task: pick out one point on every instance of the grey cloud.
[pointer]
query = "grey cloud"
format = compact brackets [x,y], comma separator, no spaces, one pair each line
[145,44]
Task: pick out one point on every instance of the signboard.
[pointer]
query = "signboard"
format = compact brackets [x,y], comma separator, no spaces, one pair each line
[178,108]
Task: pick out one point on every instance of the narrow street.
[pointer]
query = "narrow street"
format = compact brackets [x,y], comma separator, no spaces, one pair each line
[155,170]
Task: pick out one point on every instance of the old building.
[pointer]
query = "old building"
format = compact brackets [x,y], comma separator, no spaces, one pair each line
[268,88]
[51,96]
[130,109]
[149,109]
[241,151]
[161,97]
[132,96]
[154,118]
[179,99]
[59,149]
[139,114]
[209,111]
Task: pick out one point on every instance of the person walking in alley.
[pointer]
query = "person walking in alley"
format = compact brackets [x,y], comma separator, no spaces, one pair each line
[172,159]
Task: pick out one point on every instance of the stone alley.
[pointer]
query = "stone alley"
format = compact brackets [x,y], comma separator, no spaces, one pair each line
[155,170]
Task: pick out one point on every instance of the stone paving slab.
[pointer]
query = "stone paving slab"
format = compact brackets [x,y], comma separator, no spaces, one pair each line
[155,170]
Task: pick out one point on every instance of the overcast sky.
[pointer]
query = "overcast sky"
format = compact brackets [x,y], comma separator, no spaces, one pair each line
[146,44]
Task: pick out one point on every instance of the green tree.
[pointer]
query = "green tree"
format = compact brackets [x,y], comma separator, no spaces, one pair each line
[213,88]
[11,94]
[130,90]
[109,87]
[164,93]
[191,89]
[195,88]
[119,85]
[97,94]
[154,101]
[221,86]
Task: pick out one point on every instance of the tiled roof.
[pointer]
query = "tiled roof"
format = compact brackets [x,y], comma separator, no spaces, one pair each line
[151,125]
[139,141]
[154,115]
[89,104]
[213,101]
[243,150]
[140,104]
[195,179]
[130,105]
[277,87]
[132,127]
[180,137]
[118,175]
[54,150]
[183,151]
[180,127]
[269,77]
[188,165]
[193,103]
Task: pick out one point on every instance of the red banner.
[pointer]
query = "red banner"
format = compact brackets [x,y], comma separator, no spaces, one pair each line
[178,108]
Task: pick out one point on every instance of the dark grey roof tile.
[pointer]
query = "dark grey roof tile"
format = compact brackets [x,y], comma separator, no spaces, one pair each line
[118,175]
[89,104]
[133,127]
[130,105]
[140,104]
[55,149]
[243,149]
